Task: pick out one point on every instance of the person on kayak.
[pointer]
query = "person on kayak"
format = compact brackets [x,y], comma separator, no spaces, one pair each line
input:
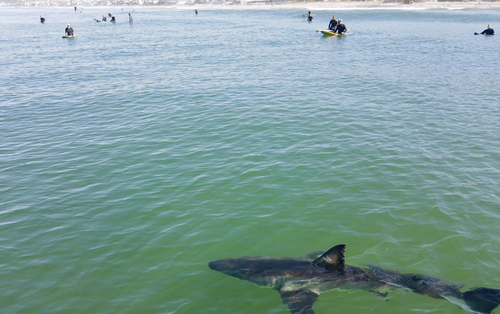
[341,28]
[69,31]
[333,24]
[488,31]
[42,19]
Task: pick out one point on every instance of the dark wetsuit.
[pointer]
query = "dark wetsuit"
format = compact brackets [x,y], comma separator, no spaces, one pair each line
[341,28]
[104,19]
[309,18]
[488,31]
[69,31]
[333,25]
[113,19]
[42,20]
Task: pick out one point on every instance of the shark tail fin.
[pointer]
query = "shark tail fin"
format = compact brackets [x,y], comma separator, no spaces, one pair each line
[482,300]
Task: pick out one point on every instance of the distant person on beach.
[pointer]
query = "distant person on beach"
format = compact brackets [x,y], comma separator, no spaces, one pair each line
[112,19]
[333,24]
[488,31]
[42,19]
[130,19]
[104,18]
[75,9]
[69,31]
[341,28]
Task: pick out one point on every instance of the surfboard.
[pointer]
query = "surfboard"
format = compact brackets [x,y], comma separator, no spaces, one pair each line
[68,36]
[97,20]
[330,33]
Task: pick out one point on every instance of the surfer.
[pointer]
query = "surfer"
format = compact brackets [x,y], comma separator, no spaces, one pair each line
[309,17]
[112,19]
[130,18]
[488,31]
[109,14]
[341,28]
[69,31]
[75,9]
[196,11]
[104,18]
[42,19]
[333,24]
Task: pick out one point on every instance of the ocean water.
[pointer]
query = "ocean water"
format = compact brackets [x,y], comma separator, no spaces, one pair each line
[134,154]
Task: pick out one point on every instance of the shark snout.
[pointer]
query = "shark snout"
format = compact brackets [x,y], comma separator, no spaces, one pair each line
[227,266]
[215,265]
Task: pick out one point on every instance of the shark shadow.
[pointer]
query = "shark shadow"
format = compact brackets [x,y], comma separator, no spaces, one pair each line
[301,280]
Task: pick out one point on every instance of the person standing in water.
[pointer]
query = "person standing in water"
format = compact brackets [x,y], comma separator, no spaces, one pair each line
[69,31]
[341,28]
[333,24]
[309,17]
[488,31]
[42,19]
[196,11]
[75,9]
[112,19]
[130,19]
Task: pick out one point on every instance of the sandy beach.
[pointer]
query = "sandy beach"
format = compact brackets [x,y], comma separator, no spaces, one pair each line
[356,5]
[289,5]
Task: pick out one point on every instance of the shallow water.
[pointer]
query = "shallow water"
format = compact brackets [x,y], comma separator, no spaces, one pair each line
[134,154]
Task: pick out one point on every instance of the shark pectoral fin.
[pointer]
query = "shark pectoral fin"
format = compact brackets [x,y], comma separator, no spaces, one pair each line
[482,300]
[299,301]
[333,259]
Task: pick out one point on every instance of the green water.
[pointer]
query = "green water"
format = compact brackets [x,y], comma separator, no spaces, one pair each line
[133,155]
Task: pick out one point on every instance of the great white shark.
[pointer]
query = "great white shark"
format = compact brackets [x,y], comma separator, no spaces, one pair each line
[301,280]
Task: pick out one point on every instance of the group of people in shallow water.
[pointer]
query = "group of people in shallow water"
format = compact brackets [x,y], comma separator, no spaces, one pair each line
[335,25]
[113,20]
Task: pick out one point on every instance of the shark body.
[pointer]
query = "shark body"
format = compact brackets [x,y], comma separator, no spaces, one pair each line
[301,280]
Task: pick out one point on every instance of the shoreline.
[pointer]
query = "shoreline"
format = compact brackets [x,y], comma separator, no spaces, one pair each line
[296,5]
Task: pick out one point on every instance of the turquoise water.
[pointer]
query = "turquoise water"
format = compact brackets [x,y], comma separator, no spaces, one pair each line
[134,154]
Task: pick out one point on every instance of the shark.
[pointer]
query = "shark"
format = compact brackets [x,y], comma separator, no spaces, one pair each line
[300,281]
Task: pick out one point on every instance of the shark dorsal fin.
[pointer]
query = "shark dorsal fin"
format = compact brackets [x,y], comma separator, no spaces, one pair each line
[333,259]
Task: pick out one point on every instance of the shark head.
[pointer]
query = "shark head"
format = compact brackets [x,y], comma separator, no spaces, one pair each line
[260,270]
